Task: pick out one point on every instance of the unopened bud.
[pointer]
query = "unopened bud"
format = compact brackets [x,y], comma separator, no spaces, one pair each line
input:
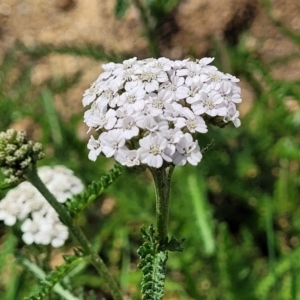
[16,154]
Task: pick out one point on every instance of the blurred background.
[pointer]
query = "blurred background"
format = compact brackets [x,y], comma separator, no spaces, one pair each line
[238,209]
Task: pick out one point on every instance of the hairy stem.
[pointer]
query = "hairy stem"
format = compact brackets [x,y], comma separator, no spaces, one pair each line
[162,181]
[76,231]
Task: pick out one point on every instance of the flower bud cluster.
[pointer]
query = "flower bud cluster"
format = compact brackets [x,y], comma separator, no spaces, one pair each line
[40,223]
[149,111]
[16,154]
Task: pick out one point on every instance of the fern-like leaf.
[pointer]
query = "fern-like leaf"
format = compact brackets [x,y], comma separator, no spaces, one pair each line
[52,280]
[96,188]
[93,51]
[152,264]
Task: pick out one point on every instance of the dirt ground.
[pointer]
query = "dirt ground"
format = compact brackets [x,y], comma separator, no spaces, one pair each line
[193,26]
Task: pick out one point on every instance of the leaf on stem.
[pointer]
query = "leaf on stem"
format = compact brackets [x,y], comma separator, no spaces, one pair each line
[51,282]
[153,264]
[94,190]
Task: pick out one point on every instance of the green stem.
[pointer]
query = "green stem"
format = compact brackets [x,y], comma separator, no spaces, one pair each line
[162,181]
[76,231]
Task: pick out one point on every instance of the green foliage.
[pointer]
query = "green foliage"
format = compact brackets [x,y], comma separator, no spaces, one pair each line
[197,196]
[287,148]
[172,245]
[152,15]
[121,7]
[8,247]
[94,190]
[160,8]
[8,290]
[53,118]
[48,282]
[152,263]
[286,270]
[93,51]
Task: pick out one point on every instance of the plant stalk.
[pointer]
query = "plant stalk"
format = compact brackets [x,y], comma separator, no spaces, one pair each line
[76,231]
[162,181]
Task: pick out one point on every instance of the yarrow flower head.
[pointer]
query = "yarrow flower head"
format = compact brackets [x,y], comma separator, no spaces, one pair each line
[40,223]
[16,155]
[148,112]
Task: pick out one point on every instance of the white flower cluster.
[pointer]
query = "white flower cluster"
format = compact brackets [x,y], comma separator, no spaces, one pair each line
[40,222]
[148,111]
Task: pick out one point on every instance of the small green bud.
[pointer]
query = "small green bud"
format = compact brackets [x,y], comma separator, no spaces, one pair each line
[25,163]
[11,148]
[10,160]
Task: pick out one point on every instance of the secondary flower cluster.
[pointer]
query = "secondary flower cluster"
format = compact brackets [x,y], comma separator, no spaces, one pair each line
[149,111]
[16,155]
[40,222]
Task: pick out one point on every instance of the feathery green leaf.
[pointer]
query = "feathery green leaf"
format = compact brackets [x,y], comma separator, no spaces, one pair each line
[94,190]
